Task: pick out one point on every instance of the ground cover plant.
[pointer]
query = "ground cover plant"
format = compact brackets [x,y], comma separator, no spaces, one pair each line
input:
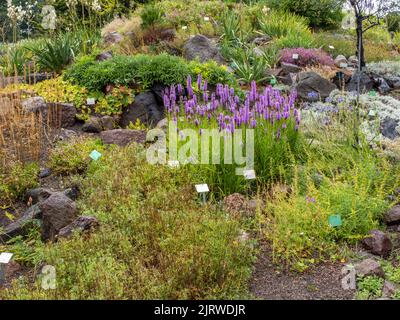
[126,134]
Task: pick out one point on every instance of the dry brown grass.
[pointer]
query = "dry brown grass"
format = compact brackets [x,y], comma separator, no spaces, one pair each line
[24,135]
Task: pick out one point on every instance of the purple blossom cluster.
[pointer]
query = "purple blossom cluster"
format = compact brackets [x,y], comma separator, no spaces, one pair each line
[307,57]
[224,106]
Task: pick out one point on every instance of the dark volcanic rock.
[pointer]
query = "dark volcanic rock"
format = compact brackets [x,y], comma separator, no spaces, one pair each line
[378,243]
[392,216]
[202,48]
[83,223]
[58,211]
[123,137]
[311,82]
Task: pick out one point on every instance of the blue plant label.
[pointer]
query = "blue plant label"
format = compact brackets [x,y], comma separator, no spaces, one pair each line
[95,155]
[335,220]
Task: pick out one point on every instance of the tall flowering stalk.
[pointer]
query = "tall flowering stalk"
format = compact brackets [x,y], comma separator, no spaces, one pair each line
[272,115]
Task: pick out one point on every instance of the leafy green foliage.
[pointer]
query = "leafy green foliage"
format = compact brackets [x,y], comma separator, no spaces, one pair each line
[319,13]
[144,70]
[16,179]
[147,247]
[72,157]
[369,288]
[151,15]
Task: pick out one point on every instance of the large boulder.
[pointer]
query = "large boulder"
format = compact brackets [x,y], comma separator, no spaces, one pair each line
[123,137]
[367,83]
[104,56]
[145,109]
[288,68]
[392,216]
[34,196]
[58,211]
[202,48]
[312,86]
[93,125]
[378,243]
[81,224]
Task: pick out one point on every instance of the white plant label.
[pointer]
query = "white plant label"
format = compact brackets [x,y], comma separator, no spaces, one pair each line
[249,174]
[295,56]
[91,101]
[206,19]
[173,164]
[5,257]
[343,65]
[202,188]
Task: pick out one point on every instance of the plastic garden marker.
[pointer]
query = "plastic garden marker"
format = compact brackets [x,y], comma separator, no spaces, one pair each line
[95,155]
[295,56]
[335,220]
[206,19]
[173,164]
[273,81]
[5,258]
[331,47]
[202,189]
[372,113]
[343,65]
[91,101]
[372,93]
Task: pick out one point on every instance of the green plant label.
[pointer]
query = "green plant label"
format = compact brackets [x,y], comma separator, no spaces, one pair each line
[335,220]
[273,82]
[372,93]
[95,155]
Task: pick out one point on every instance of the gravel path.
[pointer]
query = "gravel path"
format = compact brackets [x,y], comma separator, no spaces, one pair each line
[321,282]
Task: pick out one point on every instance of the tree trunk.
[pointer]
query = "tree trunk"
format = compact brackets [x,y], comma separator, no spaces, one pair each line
[360,42]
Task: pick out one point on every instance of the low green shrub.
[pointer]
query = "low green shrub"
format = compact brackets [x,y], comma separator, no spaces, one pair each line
[143,70]
[148,247]
[73,157]
[16,179]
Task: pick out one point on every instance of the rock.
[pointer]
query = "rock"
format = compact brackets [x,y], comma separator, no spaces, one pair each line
[58,211]
[123,137]
[202,48]
[65,135]
[388,128]
[112,38]
[353,61]
[44,173]
[369,267]
[35,105]
[392,216]
[104,56]
[393,81]
[168,34]
[340,59]
[107,122]
[311,82]
[288,68]
[93,125]
[366,82]
[145,108]
[238,206]
[158,90]
[72,193]
[66,113]
[261,41]
[21,226]
[81,224]
[34,196]
[389,289]
[378,243]
[383,86]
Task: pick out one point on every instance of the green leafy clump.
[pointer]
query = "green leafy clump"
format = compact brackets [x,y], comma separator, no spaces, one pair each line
[369,287]
[16,179]
[143,70]
[72,157]
[148,247]
[151,16]
[318,13]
